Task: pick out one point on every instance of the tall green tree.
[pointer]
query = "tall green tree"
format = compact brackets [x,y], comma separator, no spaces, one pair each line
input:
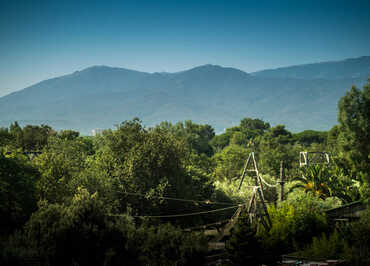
[68,134]
[197,136]
[241,135]
[6,138]
[254,126]
[308,137]
[154,163]
[17,133]
[60,162]
[274,146]
[354,137]
[17,191]
[35,137]
[80,233]
[230,162]
[219,142]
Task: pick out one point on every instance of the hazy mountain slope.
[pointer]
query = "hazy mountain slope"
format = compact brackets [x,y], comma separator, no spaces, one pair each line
[5,91]
[99,97]
[349,68]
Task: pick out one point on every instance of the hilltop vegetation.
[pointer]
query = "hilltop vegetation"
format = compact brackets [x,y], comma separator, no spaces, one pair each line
[119,198]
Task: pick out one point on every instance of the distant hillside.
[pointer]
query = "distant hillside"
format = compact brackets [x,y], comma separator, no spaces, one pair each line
[346,69]
[101,96]
[5,91]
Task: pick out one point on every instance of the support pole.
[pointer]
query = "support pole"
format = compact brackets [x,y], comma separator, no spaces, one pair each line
[244,171]
[281,181]
[259,181]
[264,209]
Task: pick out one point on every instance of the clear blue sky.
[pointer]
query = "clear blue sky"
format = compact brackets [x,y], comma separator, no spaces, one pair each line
[44,39]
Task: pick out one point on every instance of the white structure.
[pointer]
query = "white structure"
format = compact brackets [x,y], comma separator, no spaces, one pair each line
[307,158]
[96,131]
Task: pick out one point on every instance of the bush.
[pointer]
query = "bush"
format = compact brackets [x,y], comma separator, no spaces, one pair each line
[303,201]
[167,245]
[324,247]
[358,250]
[291,228]
[244,247]
[83,234]
[80,233]
[351,243]
[14,251]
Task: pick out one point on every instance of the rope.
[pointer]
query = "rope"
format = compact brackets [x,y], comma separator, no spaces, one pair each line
[253,187]
[267,184]
[179,199]
[206,225]
[180,215]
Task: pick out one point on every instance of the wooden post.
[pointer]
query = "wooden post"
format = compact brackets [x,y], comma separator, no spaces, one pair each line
[264,208]
[281,181]
[258,181]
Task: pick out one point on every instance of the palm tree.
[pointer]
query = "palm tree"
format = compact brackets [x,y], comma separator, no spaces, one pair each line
[324,181]
[314,179]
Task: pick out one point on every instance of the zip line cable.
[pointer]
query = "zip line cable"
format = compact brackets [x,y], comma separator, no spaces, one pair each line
[206,225]
[181,214]
[179,199]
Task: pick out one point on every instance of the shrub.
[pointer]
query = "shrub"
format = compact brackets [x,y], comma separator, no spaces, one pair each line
[14,251]
[324,247]
[80,233]
[83,234]
[167,245]
[244,247]
[291,228]
[358,250]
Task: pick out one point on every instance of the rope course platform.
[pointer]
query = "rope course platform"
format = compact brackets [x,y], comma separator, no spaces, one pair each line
[257,208]
[317,157]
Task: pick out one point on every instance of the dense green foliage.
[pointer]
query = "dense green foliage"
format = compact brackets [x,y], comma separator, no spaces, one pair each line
[124,194]
[327,181]
[350,242]
[245,247]
[354,136]
[358,241]
[309,137]
[17,191]
[82,234]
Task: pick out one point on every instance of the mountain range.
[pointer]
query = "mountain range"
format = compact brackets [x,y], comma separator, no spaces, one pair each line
[301,97]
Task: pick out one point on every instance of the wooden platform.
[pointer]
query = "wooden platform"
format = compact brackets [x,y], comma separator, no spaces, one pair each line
[349,212]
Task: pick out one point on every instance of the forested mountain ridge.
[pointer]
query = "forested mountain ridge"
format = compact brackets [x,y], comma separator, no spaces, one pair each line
[101,96]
